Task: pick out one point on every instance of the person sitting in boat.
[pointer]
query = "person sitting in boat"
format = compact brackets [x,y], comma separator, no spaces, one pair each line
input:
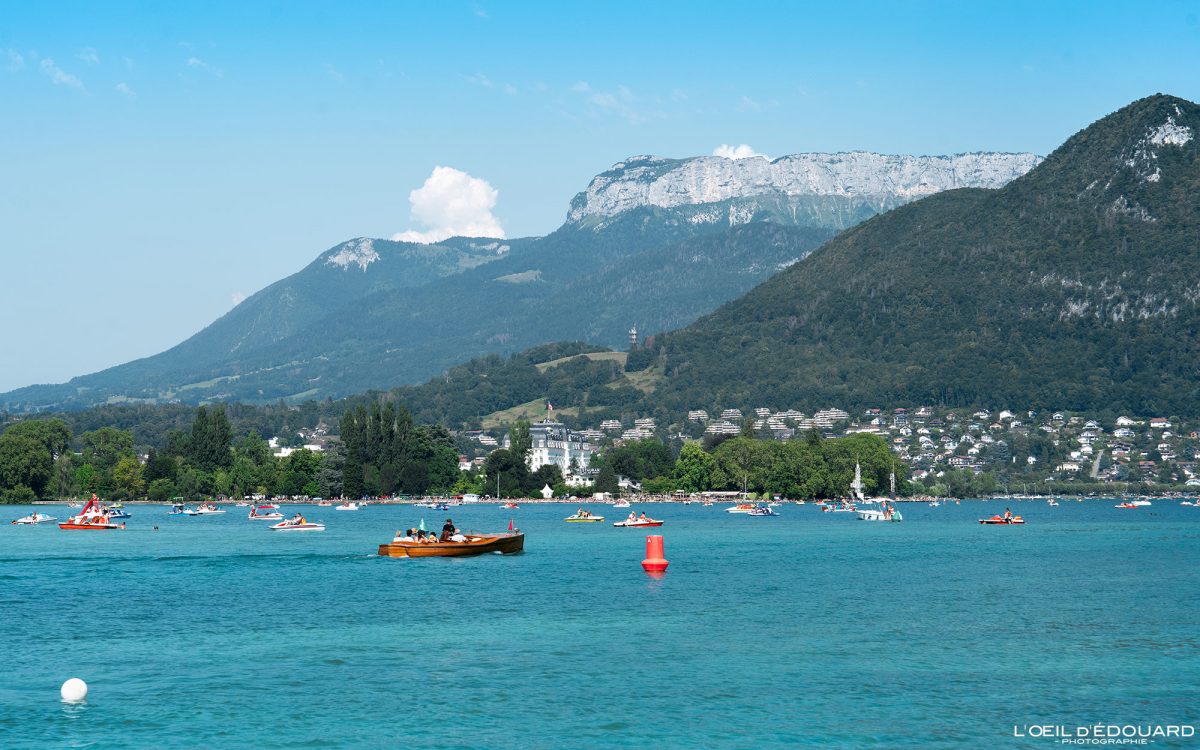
[643,517]
[1008,515]
[632,517]
[448,530]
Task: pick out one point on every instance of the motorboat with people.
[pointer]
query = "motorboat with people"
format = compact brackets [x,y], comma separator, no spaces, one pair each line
[458,545]
[263,513]
[322,503]
[763,510]
[204,509]
[348,505]
[510,506]
[271,506]
[621,503]
[297,523]
[1125,505]
[93,517]
[741,508]
[177,509]
[33,519]
[115,512]
[634,521]
[583,516]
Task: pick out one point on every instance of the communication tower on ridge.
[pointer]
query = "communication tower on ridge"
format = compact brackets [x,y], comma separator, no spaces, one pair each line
[633,337]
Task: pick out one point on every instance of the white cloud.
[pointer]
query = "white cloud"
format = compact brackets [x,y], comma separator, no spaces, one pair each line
[89,56]
[59,76]
[237,298]
[452,203]
[581,87]
[737,152]
[198,64]
[15,60]
[123,88]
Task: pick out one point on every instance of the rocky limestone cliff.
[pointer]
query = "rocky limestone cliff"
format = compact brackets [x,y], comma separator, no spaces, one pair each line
[880,179]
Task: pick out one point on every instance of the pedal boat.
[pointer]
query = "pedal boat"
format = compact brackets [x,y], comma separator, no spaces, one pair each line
[33,519]
[1001,521]
[638,523]
[476,544]
[291,525]
[576,518]
[91,518]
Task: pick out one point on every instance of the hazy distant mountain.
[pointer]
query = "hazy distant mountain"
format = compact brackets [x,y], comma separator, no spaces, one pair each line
[652,242]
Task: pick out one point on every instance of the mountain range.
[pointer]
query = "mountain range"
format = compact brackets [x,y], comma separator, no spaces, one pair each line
[1075,287]
[652,242]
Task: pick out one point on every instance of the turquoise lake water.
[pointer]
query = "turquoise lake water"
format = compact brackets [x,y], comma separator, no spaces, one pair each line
[810,629]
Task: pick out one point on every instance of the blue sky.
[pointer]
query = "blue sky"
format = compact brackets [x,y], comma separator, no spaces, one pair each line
[162,160]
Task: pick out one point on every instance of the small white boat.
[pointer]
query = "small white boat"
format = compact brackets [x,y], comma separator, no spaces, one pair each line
[267,515]
[74,505]
[33,519]
[741,508]
[207,509]
[1140,503]
[887,513]
[348,505]
[621,504]
[762,510]
[297,524]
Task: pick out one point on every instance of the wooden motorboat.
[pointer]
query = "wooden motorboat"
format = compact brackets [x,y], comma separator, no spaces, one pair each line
[475,544]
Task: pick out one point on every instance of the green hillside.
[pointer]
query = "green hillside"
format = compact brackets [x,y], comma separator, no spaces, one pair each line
[1074,287]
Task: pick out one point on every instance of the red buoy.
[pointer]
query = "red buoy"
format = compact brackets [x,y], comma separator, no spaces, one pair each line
[654,562]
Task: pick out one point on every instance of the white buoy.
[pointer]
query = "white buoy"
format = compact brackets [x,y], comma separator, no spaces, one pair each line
[74,690]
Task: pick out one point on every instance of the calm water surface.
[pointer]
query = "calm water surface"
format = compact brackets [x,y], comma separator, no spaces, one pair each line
[809,629]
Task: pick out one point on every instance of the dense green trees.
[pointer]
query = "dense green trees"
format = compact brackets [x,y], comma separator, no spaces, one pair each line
[385,453]
[808,467]
[389,453]
[641,459]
